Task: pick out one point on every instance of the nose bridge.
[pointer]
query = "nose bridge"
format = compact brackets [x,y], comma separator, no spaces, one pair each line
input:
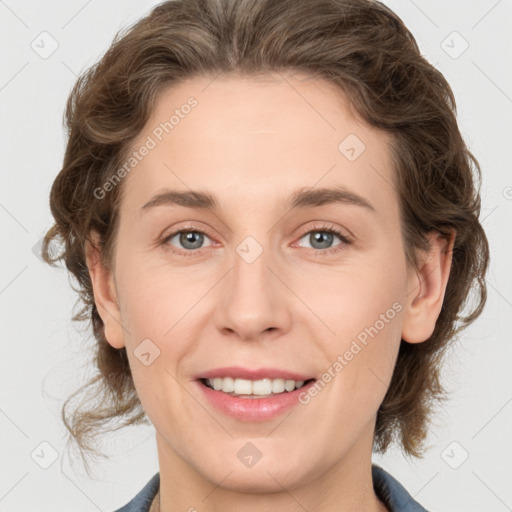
[250,273]
[253,299]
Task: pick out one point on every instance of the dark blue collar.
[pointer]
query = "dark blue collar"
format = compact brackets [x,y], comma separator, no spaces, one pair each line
[392,493]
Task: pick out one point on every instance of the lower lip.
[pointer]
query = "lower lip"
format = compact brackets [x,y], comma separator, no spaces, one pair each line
[253,409]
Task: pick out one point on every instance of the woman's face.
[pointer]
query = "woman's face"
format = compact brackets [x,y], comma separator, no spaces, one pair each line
[258,286]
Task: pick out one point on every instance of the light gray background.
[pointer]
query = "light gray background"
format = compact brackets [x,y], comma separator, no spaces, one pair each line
[42,352]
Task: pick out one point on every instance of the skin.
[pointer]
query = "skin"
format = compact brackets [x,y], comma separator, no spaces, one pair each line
[251,143]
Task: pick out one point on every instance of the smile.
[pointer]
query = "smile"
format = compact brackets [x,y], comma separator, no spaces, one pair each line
[251,400]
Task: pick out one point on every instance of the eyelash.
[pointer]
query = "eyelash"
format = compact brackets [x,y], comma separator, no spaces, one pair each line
[325,228]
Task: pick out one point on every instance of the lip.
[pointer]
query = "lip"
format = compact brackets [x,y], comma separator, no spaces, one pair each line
[252,409]
[252,374]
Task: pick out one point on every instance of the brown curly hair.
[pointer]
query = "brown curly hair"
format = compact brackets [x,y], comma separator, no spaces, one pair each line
[363,48]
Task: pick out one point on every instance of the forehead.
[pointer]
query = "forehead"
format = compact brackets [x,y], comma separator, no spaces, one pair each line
[264,136]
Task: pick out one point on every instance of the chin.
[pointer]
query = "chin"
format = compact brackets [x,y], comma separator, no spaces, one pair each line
[251,481]
[268,475]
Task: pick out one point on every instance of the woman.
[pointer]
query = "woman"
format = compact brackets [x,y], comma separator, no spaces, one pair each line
[273,220]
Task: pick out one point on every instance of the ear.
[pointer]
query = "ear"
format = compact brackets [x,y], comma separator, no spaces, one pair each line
[427,286]
[105,293]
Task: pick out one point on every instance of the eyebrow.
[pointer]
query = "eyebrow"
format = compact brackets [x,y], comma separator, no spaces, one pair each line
[302,198]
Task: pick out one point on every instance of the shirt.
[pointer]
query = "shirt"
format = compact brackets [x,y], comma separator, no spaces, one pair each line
[389,490]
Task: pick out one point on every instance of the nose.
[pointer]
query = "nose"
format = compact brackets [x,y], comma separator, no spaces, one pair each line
[253,299]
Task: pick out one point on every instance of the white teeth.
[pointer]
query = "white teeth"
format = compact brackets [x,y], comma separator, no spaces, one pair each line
[277,385]
[243,387]
[289,385]
[263,387]
[228,385]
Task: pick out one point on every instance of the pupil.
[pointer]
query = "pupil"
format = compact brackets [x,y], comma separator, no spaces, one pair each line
[322,235]
[189,237]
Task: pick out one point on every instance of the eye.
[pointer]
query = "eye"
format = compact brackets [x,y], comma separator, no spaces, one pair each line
[323,238]
[190,240]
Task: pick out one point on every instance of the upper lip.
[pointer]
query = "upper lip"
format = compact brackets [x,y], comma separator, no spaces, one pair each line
[253,373]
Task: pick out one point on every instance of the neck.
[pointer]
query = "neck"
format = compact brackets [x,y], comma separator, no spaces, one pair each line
[346,486]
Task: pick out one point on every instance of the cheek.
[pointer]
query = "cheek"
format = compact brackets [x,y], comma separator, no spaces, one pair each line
[159,312]
[156,299]
[364,311]
[155,312]
[358,300]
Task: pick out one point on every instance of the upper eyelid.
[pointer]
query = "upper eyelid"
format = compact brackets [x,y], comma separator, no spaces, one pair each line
[324,227]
